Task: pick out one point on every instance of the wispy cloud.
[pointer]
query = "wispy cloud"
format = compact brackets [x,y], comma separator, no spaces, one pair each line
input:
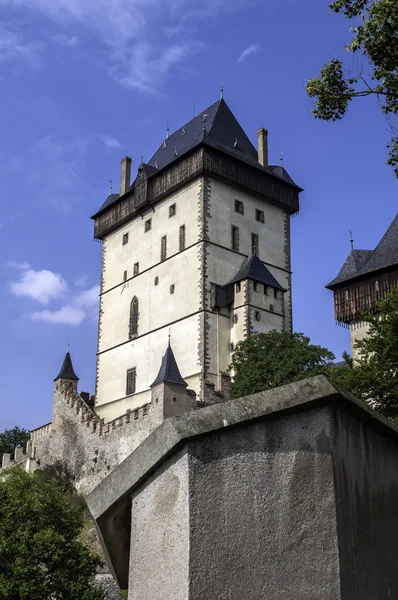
[111,142]
[141,34]
[252,49]
[47,286]
[13,46]
[64,40]
[7,220]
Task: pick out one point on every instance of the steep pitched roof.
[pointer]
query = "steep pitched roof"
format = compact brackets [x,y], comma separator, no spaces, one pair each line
[110,200]
[169,371]
[253,268]
[67,371]
[364,262]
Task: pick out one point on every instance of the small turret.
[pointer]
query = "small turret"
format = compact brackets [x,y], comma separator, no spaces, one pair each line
[67,372]
[169,390]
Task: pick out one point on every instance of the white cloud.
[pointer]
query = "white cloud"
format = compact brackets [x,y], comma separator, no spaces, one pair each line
[64,40]
[22,266]
[41,286]
[75,312]
[111,142]
[252,49]
[13,45]
[67,315]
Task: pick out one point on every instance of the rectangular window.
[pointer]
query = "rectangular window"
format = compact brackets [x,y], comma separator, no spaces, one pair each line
[163,248]
[148,225]
[182,238]
[234,237]
[239,208]
[125,238]
[125,276]
[259,215]
[136,269]
[275,293]
[376,286]
[131,381]
[238,286]
[255,243]
[172,210]
[265,290]
[258,315]
[255,286]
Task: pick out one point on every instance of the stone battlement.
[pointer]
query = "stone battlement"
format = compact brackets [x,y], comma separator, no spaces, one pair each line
[19,456]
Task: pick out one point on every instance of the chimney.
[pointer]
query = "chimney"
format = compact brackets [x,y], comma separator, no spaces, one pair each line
[262,136]
[125,173]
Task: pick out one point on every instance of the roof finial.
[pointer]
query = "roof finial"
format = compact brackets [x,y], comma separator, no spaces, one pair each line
[68,346]
[281,159]
[169,335]
[110,187]
[222,90]
[351,241]
[167,131]
[142,159]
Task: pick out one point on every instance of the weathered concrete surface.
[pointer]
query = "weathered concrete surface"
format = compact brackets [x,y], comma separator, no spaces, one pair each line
[290,493]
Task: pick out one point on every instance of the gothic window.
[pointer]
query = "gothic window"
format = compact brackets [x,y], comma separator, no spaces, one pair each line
[133,326]
[259,215]
[172,210]
[182,238]
[148,225]
[255,243]
[125,238]
[239,208]
[234,237]
[131,378]
[163,248]
[136,269]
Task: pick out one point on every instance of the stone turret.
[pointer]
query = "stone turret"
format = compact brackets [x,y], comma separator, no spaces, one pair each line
[67,373]
[169,390]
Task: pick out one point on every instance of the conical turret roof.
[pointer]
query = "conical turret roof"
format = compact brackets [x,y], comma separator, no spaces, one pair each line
[67,371]
[169,371]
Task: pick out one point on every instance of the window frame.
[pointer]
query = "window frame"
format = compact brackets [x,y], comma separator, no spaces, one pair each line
[182,238]
[125,238]
[136,269]
[260,217]
[131,382]
[239,207]
[133,318]
[148,225]
[235,238]
[163,248]
[172,210]
[255,243]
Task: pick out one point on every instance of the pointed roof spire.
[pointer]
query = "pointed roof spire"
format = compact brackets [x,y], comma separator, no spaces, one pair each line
[169,371]
[253,268]
[67,371]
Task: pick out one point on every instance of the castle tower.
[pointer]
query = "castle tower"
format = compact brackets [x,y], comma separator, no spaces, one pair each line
[169,390]
[366,277]
[174,241]
[67,373]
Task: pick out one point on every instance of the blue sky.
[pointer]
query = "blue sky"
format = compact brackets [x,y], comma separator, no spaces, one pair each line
[83,82]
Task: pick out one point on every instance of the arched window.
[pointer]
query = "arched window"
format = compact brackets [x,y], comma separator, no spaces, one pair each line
[133,325]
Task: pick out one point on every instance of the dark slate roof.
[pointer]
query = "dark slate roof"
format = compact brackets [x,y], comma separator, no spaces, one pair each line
[169,371]
[352,266]
[67,371]
[253,268]
[364,262]
[216,127]
[110,200]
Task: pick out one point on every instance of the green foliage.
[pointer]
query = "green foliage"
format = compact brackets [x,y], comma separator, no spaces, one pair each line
[41,557]
[10,438]
[374,376]
[124,594]
[267,360]
[375,37]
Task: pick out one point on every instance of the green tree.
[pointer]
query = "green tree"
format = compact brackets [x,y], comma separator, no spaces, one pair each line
[267,360]
[375,38]
[10,438]
[373,377]
[41,557]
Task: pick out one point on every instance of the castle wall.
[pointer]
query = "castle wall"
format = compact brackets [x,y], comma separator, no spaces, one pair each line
[163,309]
[86,446]
[358,330]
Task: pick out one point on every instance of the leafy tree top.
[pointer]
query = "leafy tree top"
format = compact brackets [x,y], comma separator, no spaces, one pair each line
[10,438]
[375,37]
[41,556]
[267,360]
